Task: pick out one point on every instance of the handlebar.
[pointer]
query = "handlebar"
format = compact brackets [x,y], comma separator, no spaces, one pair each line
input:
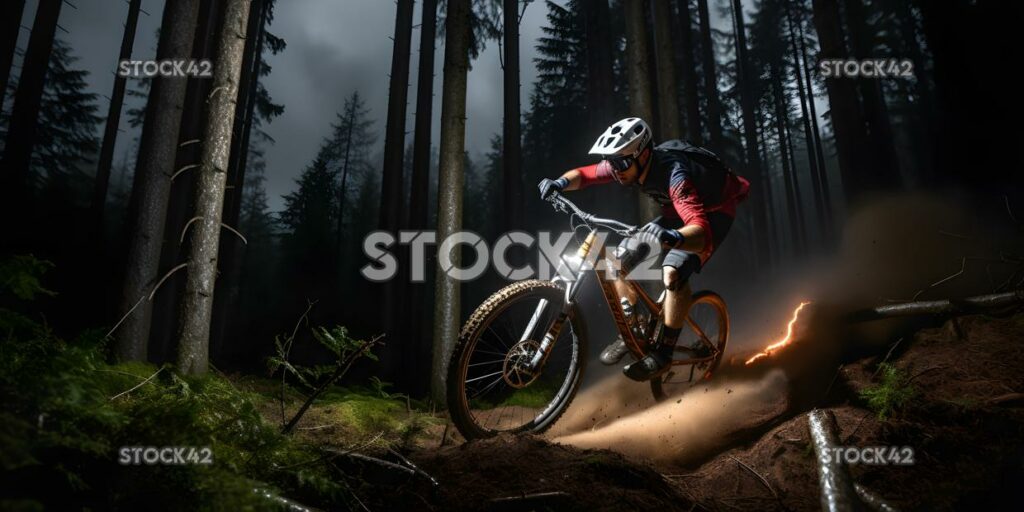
[560,202]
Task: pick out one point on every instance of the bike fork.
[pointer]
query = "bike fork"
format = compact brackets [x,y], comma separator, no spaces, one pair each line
[571,289]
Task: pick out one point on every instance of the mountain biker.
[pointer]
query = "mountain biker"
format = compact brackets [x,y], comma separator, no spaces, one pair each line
[698,195]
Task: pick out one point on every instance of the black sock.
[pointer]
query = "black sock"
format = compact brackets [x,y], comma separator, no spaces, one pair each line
[671,334]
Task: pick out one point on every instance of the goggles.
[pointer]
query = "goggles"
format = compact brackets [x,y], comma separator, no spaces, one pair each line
[621,163]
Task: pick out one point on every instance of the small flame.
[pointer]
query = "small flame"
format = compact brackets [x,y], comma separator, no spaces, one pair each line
[784,341]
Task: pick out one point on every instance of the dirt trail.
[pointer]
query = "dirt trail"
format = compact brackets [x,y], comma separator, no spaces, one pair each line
[740,441]
[686,429]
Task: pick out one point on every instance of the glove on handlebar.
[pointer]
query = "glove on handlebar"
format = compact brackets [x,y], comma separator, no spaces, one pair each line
[655,233]
[549,186]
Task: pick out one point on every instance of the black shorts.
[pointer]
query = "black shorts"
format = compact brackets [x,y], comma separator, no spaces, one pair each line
[685,262]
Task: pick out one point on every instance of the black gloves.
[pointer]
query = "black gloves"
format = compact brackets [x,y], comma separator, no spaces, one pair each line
[652,232]
[547,186]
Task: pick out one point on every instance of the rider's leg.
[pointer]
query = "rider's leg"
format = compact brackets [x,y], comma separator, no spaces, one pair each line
[676,270]
[678,298]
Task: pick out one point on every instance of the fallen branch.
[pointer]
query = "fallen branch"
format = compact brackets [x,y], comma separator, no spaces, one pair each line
[340,369]
[372,460]
[288,344]
[137,386]
[1007,398]
[414,467]
[963,267]
[533,501]
[969,305]
[837,493]
[872,500]
[284,503]
[764,481]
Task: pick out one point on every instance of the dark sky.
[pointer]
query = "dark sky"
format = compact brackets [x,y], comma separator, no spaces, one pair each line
[334,48]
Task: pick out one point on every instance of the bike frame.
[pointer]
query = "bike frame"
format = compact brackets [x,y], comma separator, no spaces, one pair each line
[611,297]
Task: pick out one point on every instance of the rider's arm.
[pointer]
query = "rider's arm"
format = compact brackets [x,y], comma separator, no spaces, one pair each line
[688,204]
[582,177]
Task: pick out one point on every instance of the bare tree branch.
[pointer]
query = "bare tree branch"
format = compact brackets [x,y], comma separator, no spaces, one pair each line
[137,386]
[185,229]
[233,230]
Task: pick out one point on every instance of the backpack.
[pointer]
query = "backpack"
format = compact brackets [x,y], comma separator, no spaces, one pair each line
[709,175]
[702,156]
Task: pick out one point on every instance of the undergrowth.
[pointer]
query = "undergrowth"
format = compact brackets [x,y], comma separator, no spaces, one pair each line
[892,393]
[68,414]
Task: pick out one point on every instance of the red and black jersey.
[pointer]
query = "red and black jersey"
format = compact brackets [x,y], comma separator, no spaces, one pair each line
[688,182]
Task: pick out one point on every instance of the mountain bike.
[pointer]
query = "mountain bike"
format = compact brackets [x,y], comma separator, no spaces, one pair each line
[520,357]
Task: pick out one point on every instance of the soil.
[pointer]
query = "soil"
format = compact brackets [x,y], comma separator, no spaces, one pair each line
[965,426]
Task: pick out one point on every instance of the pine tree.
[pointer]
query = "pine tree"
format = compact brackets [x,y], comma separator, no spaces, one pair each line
[16,178]
[458,44]
[99,198]
[348,150]
[197,303]
[151,187]
[66,141]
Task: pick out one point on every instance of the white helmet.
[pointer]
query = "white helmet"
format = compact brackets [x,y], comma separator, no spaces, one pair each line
[625,138]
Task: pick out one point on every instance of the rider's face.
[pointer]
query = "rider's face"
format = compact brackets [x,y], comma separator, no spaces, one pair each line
[633,172]
[630,175]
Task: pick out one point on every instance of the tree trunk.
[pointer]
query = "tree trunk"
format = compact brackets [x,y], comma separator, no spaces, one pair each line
[11,13]
[746,80]
[16,178]
[167,301]
[802,219]
[346,160]
[99,197]
[924,132]
[417,298]
[693,121]
[197,303]
[819,151]
[151,188]
[394,135]
[231,248]
[392,198]
[512,133]
[600,73]
[993,303]
[837,492]
[812,155]
[708,64]
[847,122]
[668,95]
[792,208]
[884,172]
[774,249]
[600,84]
[639,80]
[451,181]
[424,109]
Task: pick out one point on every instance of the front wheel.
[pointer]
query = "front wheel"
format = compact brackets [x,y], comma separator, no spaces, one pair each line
[708,323]
[487,391]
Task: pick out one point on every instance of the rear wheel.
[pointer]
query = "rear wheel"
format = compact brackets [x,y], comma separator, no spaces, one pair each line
[709,324]
[488,393]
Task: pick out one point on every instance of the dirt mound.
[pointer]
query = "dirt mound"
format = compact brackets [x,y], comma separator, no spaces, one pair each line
[962,415]
[963,422]
[496,474]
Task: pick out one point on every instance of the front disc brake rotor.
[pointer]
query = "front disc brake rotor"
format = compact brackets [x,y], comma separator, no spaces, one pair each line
[516,369]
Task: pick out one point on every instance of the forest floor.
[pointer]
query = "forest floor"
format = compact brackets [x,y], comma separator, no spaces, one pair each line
[953,394]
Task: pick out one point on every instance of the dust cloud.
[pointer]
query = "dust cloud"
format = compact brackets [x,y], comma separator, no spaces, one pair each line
[892,250]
